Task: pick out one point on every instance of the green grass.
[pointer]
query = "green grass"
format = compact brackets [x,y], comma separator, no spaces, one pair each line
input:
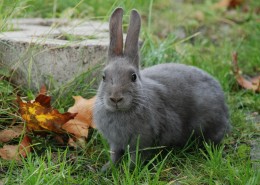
[211,36]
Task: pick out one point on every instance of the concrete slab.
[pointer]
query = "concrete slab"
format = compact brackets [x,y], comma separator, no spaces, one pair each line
[46,50]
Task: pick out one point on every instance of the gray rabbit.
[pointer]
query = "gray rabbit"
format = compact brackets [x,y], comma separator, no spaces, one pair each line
[161,105]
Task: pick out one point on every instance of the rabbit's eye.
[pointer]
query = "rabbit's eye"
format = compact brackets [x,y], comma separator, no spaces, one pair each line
[103,77]
[133,78]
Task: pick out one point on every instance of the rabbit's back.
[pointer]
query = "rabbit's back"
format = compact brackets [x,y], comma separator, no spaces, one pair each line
[193,97]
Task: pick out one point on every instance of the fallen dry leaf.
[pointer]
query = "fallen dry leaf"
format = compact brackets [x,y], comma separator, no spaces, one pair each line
[229,3]
[83,120]
[78,142]
[77,128]
[251,84]
[9,152]
[255,80]
[39,115]
[11,133]
[43,90]
[24,147]
[14,152]
[84,108]
[59,139]
[72,143]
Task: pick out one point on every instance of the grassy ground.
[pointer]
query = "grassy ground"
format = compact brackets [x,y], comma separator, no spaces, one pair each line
[210,36]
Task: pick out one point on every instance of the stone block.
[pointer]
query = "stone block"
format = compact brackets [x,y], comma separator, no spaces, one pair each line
[44,51]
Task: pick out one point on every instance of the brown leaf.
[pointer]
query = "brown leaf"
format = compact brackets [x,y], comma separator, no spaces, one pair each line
[11,133]
[78,142]
[228,3]
[9,152]
[13,152]
[40,116]
[59,139]
[43,90]
[24,147]
[255,80]
[76,128]
[83,120]
[251,84]
[72,143]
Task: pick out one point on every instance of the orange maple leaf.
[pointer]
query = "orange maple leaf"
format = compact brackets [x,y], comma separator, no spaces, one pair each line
[79,126]
[83,120]
[39,115]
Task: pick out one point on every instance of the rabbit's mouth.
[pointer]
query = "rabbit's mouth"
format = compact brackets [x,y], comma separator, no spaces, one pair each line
[118,106]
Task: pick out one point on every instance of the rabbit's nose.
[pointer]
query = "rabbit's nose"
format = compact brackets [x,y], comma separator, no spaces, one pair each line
[116,99]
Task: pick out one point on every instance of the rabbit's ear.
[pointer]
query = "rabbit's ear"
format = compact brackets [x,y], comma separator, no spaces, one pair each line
[116,33]
[131,44]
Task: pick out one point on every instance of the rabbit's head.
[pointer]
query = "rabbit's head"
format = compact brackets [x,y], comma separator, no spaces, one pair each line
[120,87]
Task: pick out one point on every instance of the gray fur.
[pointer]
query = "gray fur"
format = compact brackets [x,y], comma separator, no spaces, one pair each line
[163,107]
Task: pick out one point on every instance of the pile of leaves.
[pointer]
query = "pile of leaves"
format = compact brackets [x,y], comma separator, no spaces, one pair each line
[40,117]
